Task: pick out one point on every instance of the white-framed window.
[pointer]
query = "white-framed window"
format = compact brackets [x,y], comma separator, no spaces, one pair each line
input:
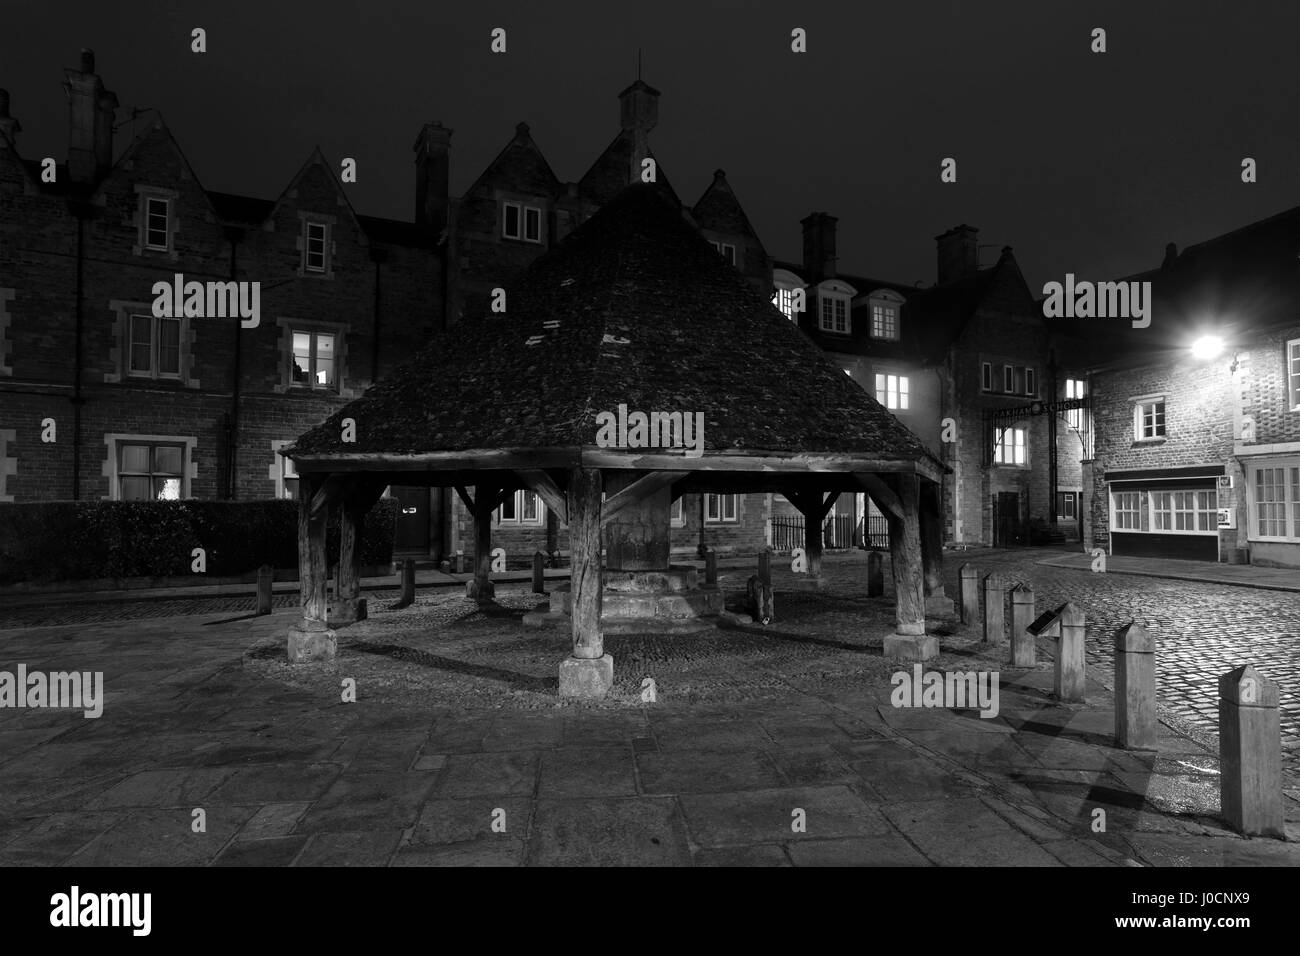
[157,223]
[720,508]
[1126,510]
[677,514]
[154,349]
[884,321]
[1031,382]
[1010,448]
[834,314]
[520,221]
[783,299]
[1008,379]
[1067,505]
[986,376]
[287,487]
[1074,416]
[1275,500]
[726,250]
[8,463]
[315,246]
[314,364]
[785,283]
[1184,512]
[1149,419]
[524,507]
[891,390]
[150,471]
[1293,373]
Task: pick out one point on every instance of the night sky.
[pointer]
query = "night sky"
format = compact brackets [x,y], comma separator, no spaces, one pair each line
[1083,162]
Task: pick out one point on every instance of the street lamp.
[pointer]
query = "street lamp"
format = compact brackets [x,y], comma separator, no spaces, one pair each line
[1207,347]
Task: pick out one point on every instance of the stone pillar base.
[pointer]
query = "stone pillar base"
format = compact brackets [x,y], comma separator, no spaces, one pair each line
[306,646]
[588,679]
[911,647]
[483,592]
[348,611]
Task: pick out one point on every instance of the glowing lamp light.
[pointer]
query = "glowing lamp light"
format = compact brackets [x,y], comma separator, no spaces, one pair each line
[1207,347]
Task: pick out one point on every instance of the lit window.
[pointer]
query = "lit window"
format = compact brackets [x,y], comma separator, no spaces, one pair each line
[157,236]
[315,246]
[986,376]
[1293,373]
[884,321]
[1074,389]
[155,350]
[1127,511]
[1149,419]
[150,471]
[783,299]
[719,507]
[891,391]
[313,359]
[1010,448]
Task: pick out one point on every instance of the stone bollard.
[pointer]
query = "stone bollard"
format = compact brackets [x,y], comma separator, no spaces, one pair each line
[1250,753]
[875,574]
[710,568]
[1023,648]
[765,569]
[995,609]
[407,597]
[1071,666]
[539,574]
[968,590]
[265,575]
[1135,688]
[461,562]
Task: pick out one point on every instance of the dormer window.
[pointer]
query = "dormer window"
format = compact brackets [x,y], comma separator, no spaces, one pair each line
[885,309]
[316,246]
[786,284]
[833,307]
[726,250]
[519,221]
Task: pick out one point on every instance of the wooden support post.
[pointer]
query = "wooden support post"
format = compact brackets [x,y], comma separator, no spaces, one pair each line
[968,584]
[875,574]
[765,569]
[539,572]
[311,639]
[590,671]
[711,569]
[407,597]
[995,609]
[1135,688]
[481,588]
[1250,753]
[265,577]
[349,606]
[1023,648]
[937,602]
[812,543]
[1071,665]
[909,642]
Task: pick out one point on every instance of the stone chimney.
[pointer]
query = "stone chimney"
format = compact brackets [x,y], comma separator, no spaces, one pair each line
[432,169]
[638,115]
[90,122]
[958,253]
[1171,256]
[9,126]
[819,245]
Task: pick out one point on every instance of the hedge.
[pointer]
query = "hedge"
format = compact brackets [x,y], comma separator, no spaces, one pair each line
[46,541]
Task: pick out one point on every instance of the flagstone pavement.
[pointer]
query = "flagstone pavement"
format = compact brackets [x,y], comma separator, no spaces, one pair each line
[805,763]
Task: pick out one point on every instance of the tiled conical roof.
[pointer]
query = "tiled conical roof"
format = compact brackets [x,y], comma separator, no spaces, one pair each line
[633,308]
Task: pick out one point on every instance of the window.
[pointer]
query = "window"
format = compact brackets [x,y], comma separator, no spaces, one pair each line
[1127,515]
[1149,419]
[157,235]
[834,314]
[315,247]
[726,250]
[1183,511]
[891,391]
[521,222]
[884,321]
[155,347]
[1074,416]
[1293,373]
[676,515]
[150,471]
[720,508]
[313,359]
[783,299]
[1008,379]
[523,507]
[986,376]
[1277,501]
[532,224]
[1067,505]
[1010,448]
[510,219]
[1031,384]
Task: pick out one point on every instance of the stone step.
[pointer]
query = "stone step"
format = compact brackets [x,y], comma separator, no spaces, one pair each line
[647,604]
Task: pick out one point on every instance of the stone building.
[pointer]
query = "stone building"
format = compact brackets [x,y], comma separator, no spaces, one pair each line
[1197,418]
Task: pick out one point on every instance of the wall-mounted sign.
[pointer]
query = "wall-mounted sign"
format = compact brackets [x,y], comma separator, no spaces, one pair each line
[1225,481]
[1228,518]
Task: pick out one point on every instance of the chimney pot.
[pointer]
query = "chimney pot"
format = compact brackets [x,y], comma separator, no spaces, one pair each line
[521,129]
[958,250]
[432,173]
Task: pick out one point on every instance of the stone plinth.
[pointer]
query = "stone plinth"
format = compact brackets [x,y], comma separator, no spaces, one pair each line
[586,679]
[311,641]
[911,647]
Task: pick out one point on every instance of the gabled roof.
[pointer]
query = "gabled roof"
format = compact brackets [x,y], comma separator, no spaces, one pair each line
[634,308]
[522,163]
[141,141]
[317,158]
[719,209]
[609,174]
